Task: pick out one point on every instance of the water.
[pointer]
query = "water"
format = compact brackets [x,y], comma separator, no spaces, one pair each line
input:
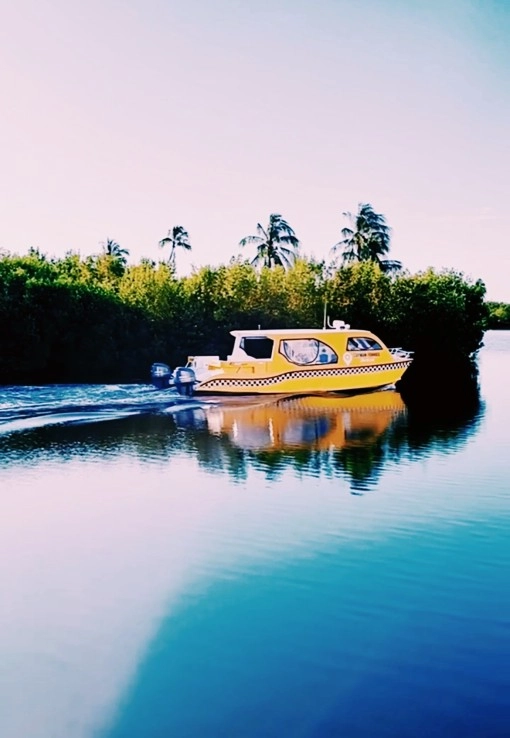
[302,568]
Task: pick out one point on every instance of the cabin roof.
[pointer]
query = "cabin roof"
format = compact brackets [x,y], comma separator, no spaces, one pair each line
[309,332]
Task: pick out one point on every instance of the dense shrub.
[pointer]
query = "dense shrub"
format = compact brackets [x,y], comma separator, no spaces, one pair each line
[77,320]
[499,315]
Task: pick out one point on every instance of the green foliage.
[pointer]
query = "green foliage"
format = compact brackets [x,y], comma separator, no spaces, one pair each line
[441,312]
[360,295]
[499,315]
[55,328]
[85,319]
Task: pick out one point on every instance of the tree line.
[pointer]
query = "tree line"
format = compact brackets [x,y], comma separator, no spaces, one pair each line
[99,319]
[499,315]
[365,237]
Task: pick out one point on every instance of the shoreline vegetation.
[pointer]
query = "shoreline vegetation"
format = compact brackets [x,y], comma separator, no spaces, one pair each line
[499,316]
[99,320]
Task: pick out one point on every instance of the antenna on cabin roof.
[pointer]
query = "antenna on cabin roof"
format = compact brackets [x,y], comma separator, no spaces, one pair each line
[325,321]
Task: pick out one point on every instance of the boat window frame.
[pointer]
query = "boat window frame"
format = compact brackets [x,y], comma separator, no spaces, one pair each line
[378,346]
[238,345]
[315,361]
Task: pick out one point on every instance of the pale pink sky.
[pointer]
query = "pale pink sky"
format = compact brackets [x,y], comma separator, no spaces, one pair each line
[122,119]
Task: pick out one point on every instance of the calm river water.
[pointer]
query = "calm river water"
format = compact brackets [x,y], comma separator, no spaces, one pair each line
[267,569]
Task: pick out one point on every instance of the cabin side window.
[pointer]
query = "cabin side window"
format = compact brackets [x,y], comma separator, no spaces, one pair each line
[363,343]
[257,347]
[307,351]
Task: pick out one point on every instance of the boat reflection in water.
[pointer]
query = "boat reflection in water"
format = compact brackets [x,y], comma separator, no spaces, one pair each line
[314,434]
[314,422]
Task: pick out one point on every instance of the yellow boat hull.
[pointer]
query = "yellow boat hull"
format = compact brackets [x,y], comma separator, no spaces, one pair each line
[305,381]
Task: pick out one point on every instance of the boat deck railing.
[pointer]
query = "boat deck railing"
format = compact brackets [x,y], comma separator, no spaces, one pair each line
[400,353]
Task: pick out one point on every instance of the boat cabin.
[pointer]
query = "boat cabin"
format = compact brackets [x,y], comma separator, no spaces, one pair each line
[301,347]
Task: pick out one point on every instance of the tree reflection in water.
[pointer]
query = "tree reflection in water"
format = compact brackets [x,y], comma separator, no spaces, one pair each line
[354,438]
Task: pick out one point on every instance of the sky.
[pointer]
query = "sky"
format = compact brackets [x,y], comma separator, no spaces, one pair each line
[122,118]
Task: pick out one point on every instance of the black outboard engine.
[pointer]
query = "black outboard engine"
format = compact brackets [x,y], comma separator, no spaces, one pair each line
[184,380]
[161,376]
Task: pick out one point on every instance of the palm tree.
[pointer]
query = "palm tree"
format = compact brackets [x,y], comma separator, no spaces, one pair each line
[177,237]
[368,239]
[112,248]
[273,243]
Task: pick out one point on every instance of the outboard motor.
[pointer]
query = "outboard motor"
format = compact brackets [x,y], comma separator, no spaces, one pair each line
[161,376]
[184,380]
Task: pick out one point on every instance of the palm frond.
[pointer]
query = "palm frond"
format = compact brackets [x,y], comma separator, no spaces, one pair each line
[177,237]
[288,258]
[390,266]
[259,256]
[366,237]
[288,252]
[251,239]
[269,242]
[288,239]
[263,235]
[348,257]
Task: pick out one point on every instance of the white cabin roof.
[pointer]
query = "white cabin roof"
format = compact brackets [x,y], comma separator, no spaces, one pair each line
[300,332]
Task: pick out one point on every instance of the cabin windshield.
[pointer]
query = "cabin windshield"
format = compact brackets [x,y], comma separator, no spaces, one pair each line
[307,351]
[257,347]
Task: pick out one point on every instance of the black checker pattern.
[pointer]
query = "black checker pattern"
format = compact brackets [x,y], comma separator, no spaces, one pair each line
[220,382]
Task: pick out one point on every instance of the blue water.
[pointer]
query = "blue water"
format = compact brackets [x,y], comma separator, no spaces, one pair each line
[223,569]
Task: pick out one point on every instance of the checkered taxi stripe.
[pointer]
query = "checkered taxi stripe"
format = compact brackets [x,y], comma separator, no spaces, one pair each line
[220,382]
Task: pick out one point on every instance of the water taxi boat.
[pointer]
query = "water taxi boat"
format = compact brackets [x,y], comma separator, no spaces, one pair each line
[296,361]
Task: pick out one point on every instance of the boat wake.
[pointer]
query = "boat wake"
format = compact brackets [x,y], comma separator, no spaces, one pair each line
[26,408]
